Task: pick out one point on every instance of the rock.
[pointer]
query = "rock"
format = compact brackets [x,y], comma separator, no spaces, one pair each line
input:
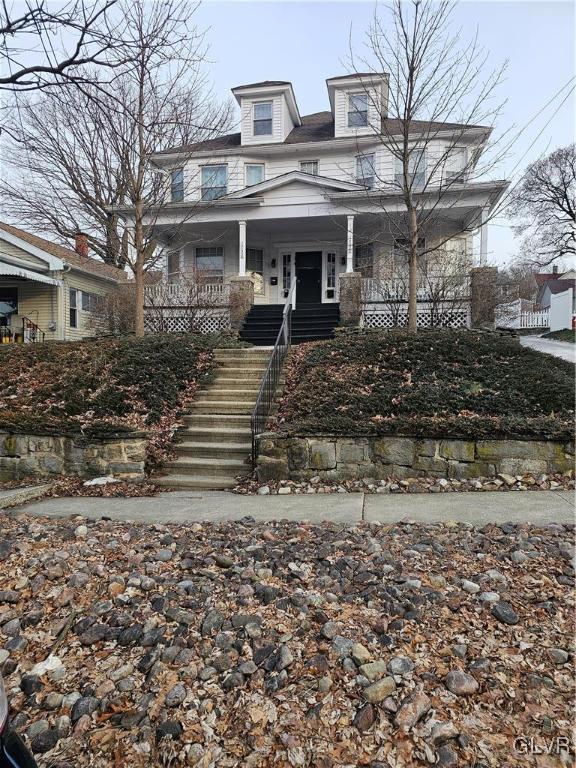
[264,490]
[489,597]
[131,635]
[40,726]
[374,670]
[329,630]
[175,696]
[379,690]
[447,757]
[412,709]
[233,680]
[9,596]
[104,480]
[53,700]
[504,612]
[325,683]
[460,683]
[224,561]
[460,650]
[63,726]
[94,634]
[163,555]
[508,479]
[442,732]
[285,658]
[168,729]
[248,668]
[4,654]
[81,532]
[364,718]
[400,665]
[44,741]
[557,655]
[518,556]
[85,705]
[12,628]
[212,621]
[30,684]
[360,654]
[470,586]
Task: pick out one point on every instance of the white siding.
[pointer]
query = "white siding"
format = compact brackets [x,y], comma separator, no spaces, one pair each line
[88,323]
[375,110]
[280,126]
[24,258]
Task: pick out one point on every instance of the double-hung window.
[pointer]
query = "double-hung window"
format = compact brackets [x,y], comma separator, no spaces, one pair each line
[365,172]
[263,118]
[357,110]
[309,166]
[416,170]
[364,259]
[254,173]
[214,181]
[73,308]
[456,162]
[210,264]
[177,185]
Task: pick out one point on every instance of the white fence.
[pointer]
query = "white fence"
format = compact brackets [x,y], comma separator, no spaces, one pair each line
[533,319]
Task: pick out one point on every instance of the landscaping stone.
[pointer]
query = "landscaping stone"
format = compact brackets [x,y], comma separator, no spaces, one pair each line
[378,691]
[461,683]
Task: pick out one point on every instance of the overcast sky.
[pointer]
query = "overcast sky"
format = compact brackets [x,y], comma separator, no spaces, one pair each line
[306,42]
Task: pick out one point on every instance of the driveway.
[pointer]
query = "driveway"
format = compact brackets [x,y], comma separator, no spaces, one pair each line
[563,349]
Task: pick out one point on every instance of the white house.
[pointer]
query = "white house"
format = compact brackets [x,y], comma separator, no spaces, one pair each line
[311,197]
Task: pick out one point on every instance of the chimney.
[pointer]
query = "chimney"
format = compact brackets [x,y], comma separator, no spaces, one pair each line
[81,245]
[555,269]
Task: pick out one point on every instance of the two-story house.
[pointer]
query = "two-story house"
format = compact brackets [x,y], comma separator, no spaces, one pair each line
[306,198]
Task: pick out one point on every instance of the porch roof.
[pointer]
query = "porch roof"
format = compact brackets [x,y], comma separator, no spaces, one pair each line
[27,274]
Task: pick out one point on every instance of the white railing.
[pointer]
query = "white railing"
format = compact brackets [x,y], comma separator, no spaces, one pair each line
[534,319]
[181,295]
[454,287]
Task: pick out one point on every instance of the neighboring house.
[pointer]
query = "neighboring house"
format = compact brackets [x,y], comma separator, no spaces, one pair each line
[553,283]
[300,197]
[48,291]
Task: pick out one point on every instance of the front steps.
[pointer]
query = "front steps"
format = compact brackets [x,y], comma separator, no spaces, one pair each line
[214,445]
[310,322]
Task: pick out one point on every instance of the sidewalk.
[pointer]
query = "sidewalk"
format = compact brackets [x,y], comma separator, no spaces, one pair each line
[538,507]
[563,349]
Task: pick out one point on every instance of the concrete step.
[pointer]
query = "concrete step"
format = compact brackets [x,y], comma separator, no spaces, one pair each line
[211,420]
[199,481]
[240,451]
[241,373]
[241,352]
[208,467]
[217,434]
[239,381]
[231,395]
[235,363]
[222,407]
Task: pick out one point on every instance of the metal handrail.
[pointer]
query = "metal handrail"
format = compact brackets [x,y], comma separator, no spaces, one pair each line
[267,390]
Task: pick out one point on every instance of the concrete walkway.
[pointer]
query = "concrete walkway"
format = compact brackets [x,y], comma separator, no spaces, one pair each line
[537,507]
[563,349]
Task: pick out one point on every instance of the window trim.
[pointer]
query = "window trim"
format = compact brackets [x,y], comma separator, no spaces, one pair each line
[253,165]
[352,111]
[366,181]
[204,188]
[309,162]
[73,307]
[255,120]
[210,275]
[177,186]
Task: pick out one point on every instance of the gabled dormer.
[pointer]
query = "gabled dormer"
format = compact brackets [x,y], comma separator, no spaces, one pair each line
[359,102]
[268,111]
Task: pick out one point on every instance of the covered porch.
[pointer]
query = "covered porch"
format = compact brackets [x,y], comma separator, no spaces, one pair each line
[27,299]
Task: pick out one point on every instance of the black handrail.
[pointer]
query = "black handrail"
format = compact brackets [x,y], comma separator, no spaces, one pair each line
[267,390]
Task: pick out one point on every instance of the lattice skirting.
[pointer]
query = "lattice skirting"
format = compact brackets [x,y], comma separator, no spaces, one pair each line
[211,322]
[452,318]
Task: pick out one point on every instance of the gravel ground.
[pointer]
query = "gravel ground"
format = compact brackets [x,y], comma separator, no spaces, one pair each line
[288,644]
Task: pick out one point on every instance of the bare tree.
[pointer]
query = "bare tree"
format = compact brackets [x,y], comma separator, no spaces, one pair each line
[544,203]
[438,117]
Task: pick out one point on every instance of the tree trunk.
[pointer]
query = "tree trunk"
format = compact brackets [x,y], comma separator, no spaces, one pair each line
[413,272]
[138,269]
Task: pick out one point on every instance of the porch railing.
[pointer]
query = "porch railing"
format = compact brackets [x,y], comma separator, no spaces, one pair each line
[181,295]
[267,391]
[26,333]
[450,288]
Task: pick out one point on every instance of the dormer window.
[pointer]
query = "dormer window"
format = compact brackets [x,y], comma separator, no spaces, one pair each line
[263,118]
[177,185]
[357,110]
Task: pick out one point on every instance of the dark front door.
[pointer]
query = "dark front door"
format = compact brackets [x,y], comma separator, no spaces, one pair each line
[309,277]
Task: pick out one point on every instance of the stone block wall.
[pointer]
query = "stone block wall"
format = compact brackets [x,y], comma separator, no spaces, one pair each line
[23,455]
[346,458]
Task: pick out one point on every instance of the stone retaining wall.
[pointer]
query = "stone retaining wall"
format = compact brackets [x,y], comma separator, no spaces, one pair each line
[24,455]
[345,458]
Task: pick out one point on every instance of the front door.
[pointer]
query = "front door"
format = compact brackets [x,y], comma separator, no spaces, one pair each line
[309,277]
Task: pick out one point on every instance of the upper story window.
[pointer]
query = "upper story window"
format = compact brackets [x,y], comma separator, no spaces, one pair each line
[365,173]
[210,264]
[309,166]
[263,118]
[456,162]
[357,110]
[214,181]
[177,185]
[416,170]
[254,173]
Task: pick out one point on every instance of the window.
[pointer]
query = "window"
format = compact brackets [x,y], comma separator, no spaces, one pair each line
[286,272]
[177,185]
[309,166]
[214,181]
[254,173]
[416,170]
[456,162]
[357,110]
[255,267]
[330,275]
[210,264]
[73,308]
[364,259]
[365,172]
[263,119]
[86,301]
[402,253]
[173,266]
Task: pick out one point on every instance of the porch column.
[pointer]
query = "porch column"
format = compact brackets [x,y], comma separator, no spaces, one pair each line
[242,248]
[350,244]
[484,238]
